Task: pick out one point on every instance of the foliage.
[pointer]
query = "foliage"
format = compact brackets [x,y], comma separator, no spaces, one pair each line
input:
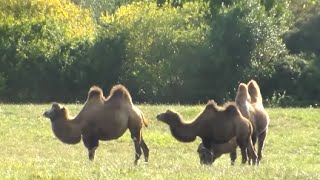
[162,46]
[51,50]
[246,43]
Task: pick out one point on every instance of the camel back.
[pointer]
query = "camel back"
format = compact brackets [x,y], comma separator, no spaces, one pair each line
[254,91]
[229,107]
[119,91]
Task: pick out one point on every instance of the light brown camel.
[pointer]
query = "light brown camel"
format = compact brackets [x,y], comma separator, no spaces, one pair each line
[208,157]
[249,101]
[100,119]
[258,116]
[214,124]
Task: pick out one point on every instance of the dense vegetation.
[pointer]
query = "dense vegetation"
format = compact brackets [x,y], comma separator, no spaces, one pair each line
[54,50]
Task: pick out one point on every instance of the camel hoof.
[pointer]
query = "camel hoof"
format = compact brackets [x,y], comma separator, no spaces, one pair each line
[91,157]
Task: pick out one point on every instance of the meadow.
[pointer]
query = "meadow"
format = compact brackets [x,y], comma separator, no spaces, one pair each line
[29,149]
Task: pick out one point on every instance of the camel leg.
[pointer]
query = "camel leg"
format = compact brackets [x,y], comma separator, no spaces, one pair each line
[254,139]
[136,138]
[243,148]
[261,139]
[145,149]
[91,144]
[233,156]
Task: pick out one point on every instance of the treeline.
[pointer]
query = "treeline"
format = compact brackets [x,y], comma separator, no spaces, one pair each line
[54,50]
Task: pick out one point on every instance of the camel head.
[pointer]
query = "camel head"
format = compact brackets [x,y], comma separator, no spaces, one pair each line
[169,117]
[55,112]
[206,156]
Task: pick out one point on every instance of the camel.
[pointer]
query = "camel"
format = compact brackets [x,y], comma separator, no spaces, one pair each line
[100,119]
[207,157]
[249,102]
[258,116]
[214,124]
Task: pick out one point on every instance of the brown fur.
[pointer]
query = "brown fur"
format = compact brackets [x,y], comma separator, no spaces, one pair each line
[258,116]
[207,156]
[95,92]
[254,91]
[249,101]
[101,119]
[213,125]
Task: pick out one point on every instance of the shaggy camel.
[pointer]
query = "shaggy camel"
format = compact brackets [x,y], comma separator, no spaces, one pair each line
[213,125]
[100,119]
[208,157]
[249,101]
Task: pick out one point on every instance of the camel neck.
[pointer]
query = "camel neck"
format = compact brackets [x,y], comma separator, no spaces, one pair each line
[66,131]
[185,132]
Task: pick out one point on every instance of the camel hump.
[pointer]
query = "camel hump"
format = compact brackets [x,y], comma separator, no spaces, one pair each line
[119,91]
[242,94]
[254,91]
[231,109]
[95,91]
[211,104]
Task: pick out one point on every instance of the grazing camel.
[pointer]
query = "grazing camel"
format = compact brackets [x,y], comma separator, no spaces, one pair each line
[214,124]
[249,102]
[100,119]
[208,157]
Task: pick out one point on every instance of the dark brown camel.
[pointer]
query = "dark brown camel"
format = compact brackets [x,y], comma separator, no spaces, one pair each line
[213,125]
[207,157]
[100,119]
[249,102]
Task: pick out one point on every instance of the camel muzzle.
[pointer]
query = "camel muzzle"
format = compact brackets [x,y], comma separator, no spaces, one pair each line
[158,117]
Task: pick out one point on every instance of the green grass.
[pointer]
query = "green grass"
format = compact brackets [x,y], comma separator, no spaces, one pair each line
[29,149]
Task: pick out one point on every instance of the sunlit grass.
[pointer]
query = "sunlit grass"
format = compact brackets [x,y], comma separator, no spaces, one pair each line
[30,150]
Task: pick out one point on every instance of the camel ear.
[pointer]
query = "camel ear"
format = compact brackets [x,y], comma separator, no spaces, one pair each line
[232,109]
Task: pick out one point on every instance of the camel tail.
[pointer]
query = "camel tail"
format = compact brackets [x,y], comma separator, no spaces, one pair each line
[250,147]
[254,91]
[119,91]
[145,121]
[95,91]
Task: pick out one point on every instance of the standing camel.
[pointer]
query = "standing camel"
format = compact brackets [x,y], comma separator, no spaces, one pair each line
[214,124]
[100,119]
[249,101]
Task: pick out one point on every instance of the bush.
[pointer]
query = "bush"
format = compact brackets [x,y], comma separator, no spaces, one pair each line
[165,48]
[34,38]
[246,44]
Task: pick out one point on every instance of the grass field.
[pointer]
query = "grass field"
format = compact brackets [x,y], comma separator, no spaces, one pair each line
[29,149]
